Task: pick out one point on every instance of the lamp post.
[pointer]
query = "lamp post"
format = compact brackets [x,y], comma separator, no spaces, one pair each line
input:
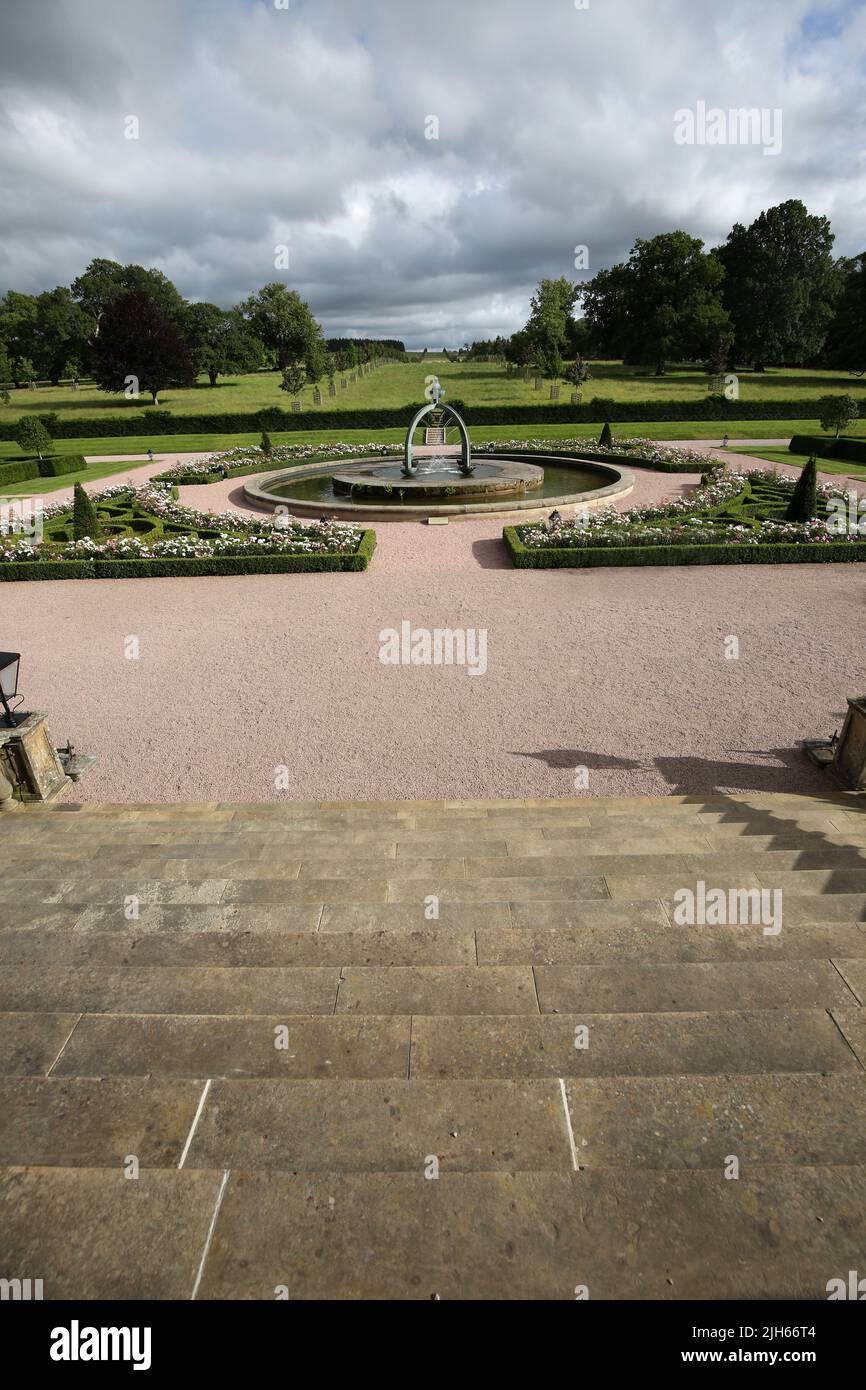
[9,664]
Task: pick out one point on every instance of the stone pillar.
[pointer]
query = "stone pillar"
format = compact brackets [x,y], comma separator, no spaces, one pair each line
[29,760]
[849,762]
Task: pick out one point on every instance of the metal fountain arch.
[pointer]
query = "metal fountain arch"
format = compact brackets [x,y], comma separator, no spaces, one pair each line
[409,468]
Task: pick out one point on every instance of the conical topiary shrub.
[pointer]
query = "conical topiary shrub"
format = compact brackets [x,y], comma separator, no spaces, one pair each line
[605,439]
[85,522]
[266,446]
[803,505]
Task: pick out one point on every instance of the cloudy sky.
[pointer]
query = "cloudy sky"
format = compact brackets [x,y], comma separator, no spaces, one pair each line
[305,123]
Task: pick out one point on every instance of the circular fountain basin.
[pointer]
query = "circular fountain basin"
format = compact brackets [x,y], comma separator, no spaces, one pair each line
[500,483]
[438,479]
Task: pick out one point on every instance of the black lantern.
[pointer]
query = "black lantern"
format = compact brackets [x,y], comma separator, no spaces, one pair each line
[9,663]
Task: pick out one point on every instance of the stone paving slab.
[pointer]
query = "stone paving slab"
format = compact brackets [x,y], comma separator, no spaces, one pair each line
[770,863]
[666,885]
[538,1235]
[852,1023]
[799,908]
[202,917]
[603,914]
[42,916]
[22,950]
[699,1121]
[412,917]
[590,945]
[383,1126]
[404,866]
[201,1047]
[91,1233]
[447,989]
[561,865]
[694,986]
[831,880]
[29,1043]
[495,890]
[623,1044]
[172,989]
[359,888]
[74,1123]
[854,974]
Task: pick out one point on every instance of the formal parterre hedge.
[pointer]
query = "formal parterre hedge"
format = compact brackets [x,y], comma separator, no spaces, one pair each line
[147,420]
[144,533]
[641,453]
[737,519]
[50,467]
[849,450]
[231,463]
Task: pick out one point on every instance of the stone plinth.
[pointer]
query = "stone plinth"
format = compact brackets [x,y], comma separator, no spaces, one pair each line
[849,763]
[29,759]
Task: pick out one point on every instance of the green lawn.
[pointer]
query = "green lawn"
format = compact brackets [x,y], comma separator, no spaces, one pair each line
[399,384]
[838,466]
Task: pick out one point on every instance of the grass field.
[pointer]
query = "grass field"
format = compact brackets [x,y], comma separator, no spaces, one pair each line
[837,466]
[399,384]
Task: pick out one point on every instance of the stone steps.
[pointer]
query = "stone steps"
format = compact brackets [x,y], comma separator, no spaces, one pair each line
[580,1065]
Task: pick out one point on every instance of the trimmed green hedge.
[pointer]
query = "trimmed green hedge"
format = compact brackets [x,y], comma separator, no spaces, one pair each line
[575,557]
[156,568]
[56,464]
[18,472]
[146,421]
[50,467]
[46,569]
[849,450]
[634,460]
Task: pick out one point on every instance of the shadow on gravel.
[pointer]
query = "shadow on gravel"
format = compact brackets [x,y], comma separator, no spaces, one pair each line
[575,758]
[491,554]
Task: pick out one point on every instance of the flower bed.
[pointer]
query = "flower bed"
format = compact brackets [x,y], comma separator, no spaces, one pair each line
[739,519]
[146,532]
[231,463]
[643,453]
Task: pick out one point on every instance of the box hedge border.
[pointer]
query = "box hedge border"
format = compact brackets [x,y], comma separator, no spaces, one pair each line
[849,450]
[145,420]
[586,557]
[213,565]
[51,467]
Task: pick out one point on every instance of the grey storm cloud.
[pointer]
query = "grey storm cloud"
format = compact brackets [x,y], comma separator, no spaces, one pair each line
[305,124]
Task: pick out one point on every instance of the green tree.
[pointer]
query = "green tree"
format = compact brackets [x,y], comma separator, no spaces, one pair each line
[803,505]
[5,375]
[60,332]
[837,412]
[846,336]
[577,372]
[664,304]
[550,323]
[32,436]
[780,285]
[18,333]
[138,339]
[605,321]
[605,439]
[85,522]
[221,341]
[283,322]
[265,445]
[294,379]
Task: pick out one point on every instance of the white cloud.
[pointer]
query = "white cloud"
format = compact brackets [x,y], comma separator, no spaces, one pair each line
[307,126]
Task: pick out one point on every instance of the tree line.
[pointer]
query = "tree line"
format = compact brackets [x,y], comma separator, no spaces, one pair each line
[772,293]
[131,330]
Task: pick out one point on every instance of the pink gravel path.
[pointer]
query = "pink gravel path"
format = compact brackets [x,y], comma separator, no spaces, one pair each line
[622,671]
